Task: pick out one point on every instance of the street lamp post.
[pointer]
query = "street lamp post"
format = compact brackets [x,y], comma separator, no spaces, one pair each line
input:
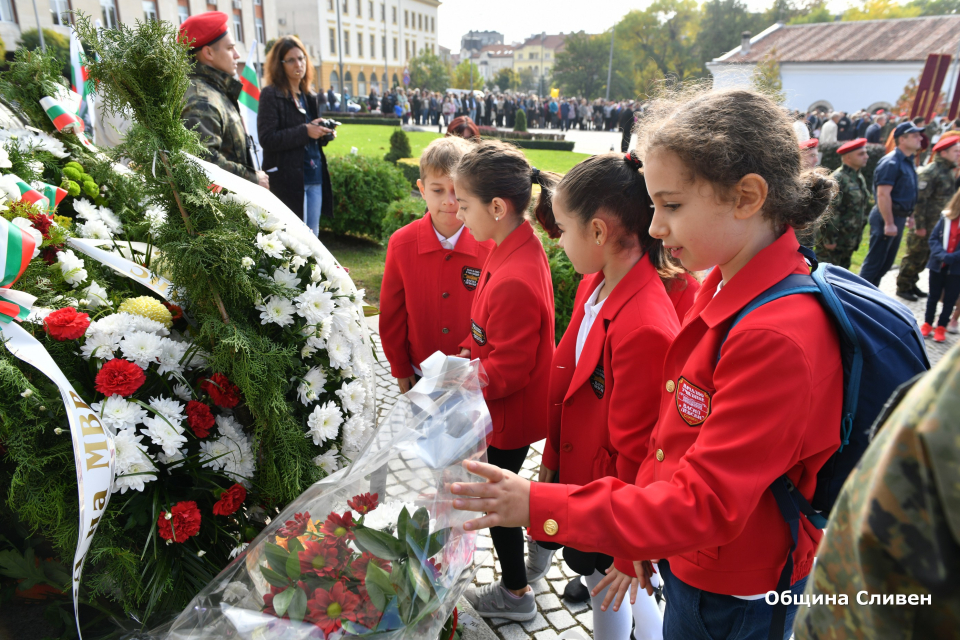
[610,64]
[343,105]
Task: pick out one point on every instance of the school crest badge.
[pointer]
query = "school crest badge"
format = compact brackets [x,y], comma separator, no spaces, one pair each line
[598,382]
[693,403]
[479,335]
[470,276]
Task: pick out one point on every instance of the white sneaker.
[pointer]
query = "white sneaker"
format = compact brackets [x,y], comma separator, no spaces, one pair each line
[538,561]
[493,601]
[952,327]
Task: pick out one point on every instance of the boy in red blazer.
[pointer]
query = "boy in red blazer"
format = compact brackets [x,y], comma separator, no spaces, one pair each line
[433,267]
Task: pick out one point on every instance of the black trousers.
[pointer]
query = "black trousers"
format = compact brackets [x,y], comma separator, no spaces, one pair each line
[949,285]
[509,541]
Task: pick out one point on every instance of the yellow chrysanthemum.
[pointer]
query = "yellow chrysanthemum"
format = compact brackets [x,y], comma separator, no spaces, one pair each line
[148,308]
[63,221]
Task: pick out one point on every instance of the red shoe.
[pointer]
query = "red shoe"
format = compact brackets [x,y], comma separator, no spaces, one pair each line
[940,334]
[926,329]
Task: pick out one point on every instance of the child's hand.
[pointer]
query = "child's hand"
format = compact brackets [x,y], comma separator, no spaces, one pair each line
[504,498]
[464,353]
[406,383]
[546,475]
[645,571]
[619,583]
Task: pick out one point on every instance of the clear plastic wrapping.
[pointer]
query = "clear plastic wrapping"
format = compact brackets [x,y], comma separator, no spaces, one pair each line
[375,550]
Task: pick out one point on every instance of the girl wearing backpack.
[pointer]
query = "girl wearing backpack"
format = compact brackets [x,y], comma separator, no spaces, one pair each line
[944,269]
[729,196]
[603,385]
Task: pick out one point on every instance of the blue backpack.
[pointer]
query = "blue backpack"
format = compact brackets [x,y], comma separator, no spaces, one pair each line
[881,349]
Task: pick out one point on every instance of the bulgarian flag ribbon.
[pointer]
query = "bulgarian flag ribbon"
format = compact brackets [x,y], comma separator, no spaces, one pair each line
[62,119]
[33,196]
[16,251]
[79,81]
[250,103]
[54,195]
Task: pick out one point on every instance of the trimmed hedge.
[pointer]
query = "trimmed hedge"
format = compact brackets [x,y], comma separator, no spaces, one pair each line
[565,282]
[831,160]
[361,119]
[493,132]
[552,145]
[399,146]
[411,169]
[400,214]
[520,121]
[364,188]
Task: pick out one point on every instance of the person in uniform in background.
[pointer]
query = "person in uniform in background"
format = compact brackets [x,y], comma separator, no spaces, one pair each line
[846,130]
[210,104]
[840,235]
[895,529]
[935,187]
[874,133]
[809,157]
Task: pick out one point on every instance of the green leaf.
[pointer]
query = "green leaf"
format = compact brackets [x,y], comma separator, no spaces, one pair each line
[377,595]
[293,566]
[283,599]
[378,543]
[427,609]
[379,577]
[437,540]
[277,557]
[402,523]
[21,567]
[298,606]
[421,584]
[274,578]
[294,545]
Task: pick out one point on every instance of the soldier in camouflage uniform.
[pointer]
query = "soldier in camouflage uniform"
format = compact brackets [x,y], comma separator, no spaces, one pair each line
[211,104]
[842,231]
[895,528]
[935,187]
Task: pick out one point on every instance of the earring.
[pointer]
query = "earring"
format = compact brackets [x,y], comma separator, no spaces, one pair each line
[598,240]
[497,218]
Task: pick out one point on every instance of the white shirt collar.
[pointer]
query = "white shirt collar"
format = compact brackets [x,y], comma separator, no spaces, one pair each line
[449,243]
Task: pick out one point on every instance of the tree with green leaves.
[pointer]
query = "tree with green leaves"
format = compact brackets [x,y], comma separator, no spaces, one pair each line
[527,81]
[461,76]
[581,68]
[428,71]
[721,26]
[766,76]
[57,44]
[507,79]
[936,7]
[816,11]
[662,40]
[880,10]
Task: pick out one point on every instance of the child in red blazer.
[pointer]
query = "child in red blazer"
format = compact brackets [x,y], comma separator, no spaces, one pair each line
[604,387]
[511,332]
[432,270]
[729,196]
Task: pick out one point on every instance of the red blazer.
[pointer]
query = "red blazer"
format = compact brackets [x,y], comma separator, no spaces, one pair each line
[683,293]
[602,409]
[512,334]
[726,431]
[426,294]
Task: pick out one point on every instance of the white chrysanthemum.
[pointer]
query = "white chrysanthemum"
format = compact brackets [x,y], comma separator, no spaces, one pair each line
[182,391]
[339,352]
[8,185]
[345,322]
[291,242]
[95,295]
[354,430]
[324,423]
[171,352]
[314,304]
[165,434]
[117,323]
[119,414]
[37,315]
[156,217]
[352,396]
[110,219]
[72,267]
[387,514]
[86,210]
[235,591]
[286,278]
[316,273]
[168,408]
[174,461]
[48,143]
[276,310]
[263,219]
[141,348]
[128,447]
[142,323]
[312,386]
[237,550]
[359,363]
[297,262]
[5,158]
[95,230]
[329,461]
[99,344]
[231,452]
[247,263]
[133,466]
[270,245]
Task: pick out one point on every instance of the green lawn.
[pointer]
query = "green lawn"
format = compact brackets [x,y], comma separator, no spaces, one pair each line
[857,261]
[364,258]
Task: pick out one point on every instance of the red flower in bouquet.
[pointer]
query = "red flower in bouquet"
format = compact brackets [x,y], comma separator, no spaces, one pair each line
[359,566]
[183,523]
[268,600]
[66,324]
[434,567]
[320,559]
[328,609]
[49,253]
[367,614]
[338,528]
[230,500]
[119,377]
[176,312]
[41,222]
[223,392]
[199,418]
[295,528]
[363,503]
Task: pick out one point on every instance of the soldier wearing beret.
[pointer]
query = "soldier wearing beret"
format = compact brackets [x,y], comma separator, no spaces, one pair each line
[841,233]
[211,101]
[935,187]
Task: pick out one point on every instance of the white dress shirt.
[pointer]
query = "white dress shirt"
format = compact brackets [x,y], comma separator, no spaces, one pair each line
[591,309]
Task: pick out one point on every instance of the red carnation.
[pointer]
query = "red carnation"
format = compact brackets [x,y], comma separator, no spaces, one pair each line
[41,222]
[49,253]
[295,528]
[328,609]
[338,528]
[200,419]
[119,377]
[223,392]
[66,324]
[176,312]
[230,501]
[184,523]
[363,503]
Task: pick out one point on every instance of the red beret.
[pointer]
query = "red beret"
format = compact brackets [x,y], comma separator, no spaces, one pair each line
[204,28]
[853,145]
[945,143]
[879,112]
[811,143]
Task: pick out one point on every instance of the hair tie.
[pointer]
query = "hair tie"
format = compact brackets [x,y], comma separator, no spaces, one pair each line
[535,176]
[632,160]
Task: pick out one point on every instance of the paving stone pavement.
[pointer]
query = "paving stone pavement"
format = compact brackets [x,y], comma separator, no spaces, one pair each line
[555,614]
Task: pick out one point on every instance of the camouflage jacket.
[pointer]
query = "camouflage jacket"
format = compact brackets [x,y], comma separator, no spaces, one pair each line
[934,190]
[848,209]
[211,106]
[895,529]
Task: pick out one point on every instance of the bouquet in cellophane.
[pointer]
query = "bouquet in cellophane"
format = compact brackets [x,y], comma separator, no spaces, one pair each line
[374,550]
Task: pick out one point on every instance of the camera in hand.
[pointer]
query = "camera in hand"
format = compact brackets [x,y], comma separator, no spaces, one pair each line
[329,124]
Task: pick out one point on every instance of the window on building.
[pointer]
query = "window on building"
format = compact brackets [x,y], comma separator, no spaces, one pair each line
[373,48]
[433,25]
[396,81]
[346,45]
[258,2]
[413,47]
[406,49]
[384,47]
[149,10]
[333,41]
[109,10]
[370,3]
[335,83]
[359,9]
[183,13]
[330,6]
[420,21]
[394,48]
[383,13]
[393,11]
[57,9]
[361,84]
[346,9]
[261,34]
[546,55]
[406,18]
[359,45]
[6,11]
[348,83]
[237,28]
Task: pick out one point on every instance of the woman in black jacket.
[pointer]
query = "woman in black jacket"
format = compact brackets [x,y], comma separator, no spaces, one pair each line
[291,136]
